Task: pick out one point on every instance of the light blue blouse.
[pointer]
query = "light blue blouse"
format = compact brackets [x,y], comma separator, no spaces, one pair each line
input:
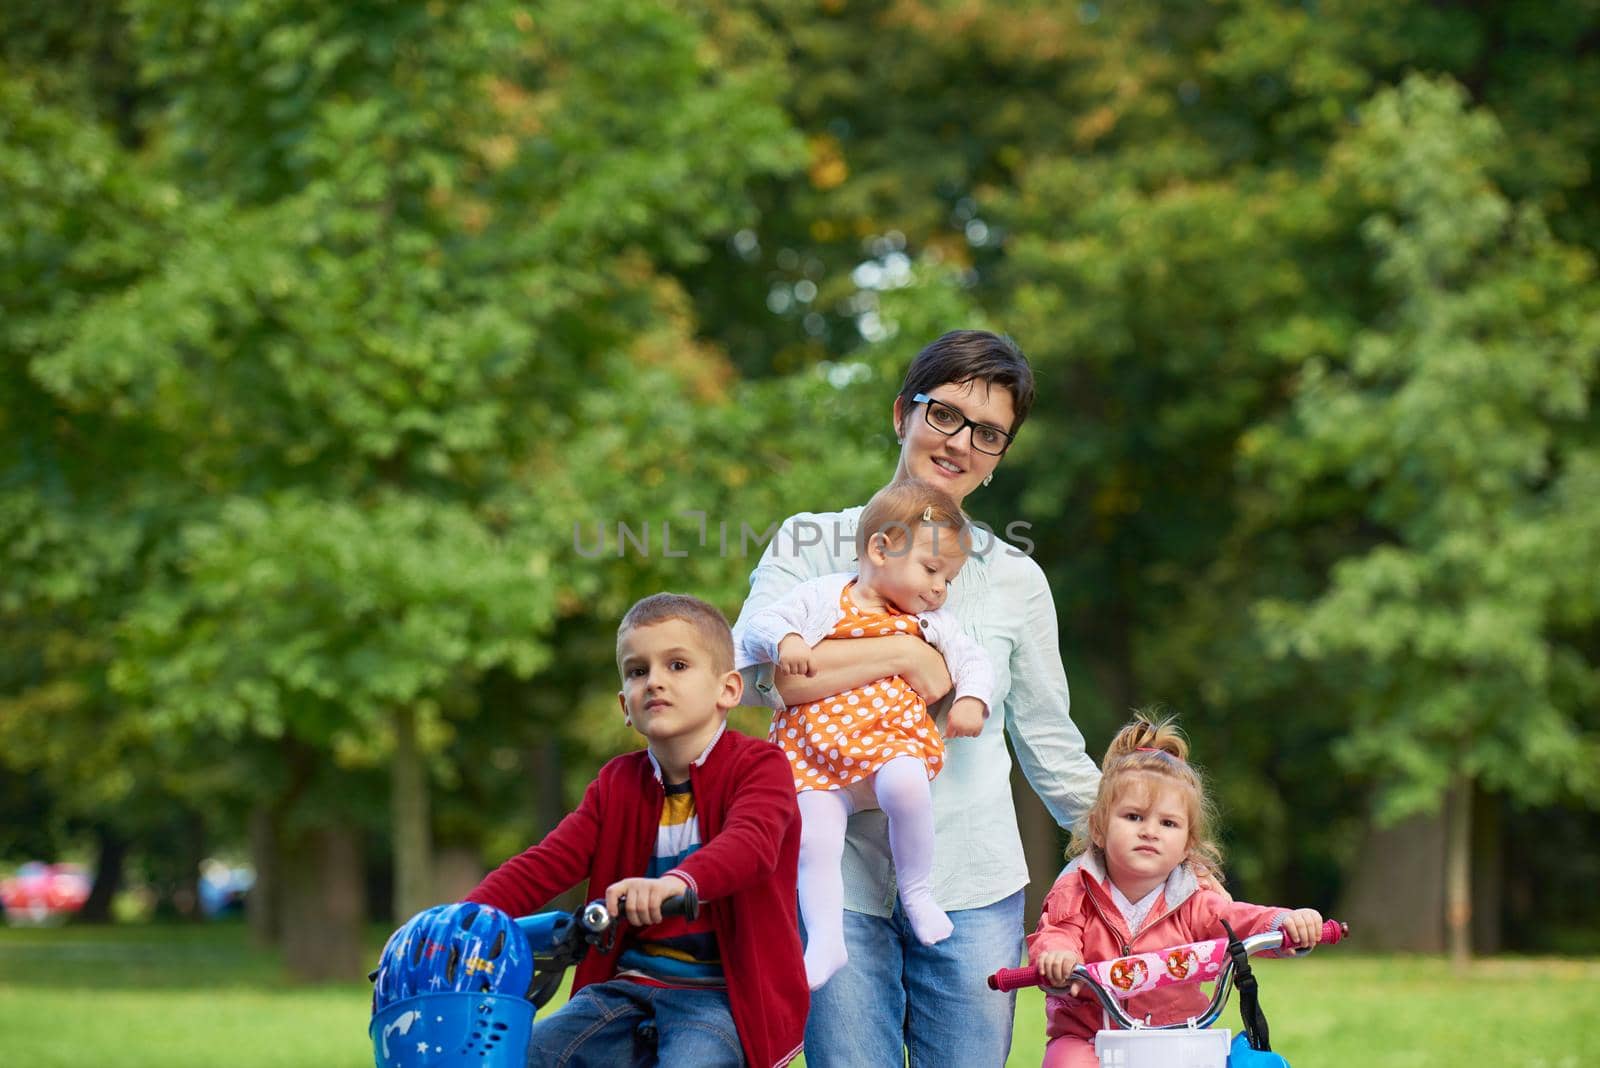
[1002,601]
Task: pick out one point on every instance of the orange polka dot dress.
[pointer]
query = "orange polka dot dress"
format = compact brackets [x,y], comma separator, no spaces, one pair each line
[842,739]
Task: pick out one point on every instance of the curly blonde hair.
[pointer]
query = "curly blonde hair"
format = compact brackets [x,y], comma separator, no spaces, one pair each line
[1150,752]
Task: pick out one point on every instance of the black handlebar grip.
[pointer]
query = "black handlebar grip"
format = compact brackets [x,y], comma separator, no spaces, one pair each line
[686,904]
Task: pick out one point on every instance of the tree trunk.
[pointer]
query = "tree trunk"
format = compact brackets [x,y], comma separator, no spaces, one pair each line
[263,904]
[1394,900]
[113,851]
[456,870]
[1488,873]
[1111,661]
[322,899]
[550,803]
[178,886]
[408,810]
[1458,870]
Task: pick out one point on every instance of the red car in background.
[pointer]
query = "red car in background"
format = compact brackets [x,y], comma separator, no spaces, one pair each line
[42,893]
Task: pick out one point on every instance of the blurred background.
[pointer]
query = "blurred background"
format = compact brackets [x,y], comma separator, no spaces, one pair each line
[363,362]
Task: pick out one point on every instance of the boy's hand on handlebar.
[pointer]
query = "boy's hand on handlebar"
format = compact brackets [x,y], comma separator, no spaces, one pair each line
[640,899]
[965,719]
[794,657]
[1056,966]
[1303,928]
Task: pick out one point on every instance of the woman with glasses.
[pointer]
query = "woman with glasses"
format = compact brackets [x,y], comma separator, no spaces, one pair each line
[962,402]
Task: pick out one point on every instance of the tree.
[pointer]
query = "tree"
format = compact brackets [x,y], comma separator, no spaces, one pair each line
[1457,430]
[400,267]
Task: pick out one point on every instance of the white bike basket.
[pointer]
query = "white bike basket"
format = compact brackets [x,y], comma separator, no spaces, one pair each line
[1186,1048]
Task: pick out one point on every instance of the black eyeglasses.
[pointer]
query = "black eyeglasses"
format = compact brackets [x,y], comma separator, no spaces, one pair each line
[950,421]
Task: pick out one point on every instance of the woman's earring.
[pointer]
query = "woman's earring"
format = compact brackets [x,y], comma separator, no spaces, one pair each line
[988,479]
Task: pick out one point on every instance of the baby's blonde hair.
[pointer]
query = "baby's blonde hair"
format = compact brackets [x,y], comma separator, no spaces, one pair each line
[900,508]
[1150,751]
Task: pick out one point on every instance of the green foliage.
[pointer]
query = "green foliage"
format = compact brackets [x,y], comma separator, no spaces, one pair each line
[334,335]
[396,285]
[1458,424]
[391,604]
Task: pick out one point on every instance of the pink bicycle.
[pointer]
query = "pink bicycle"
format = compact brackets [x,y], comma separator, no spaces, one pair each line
[1127,1042]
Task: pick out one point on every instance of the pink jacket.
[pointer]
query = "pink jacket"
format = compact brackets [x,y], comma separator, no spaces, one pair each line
[1079,915]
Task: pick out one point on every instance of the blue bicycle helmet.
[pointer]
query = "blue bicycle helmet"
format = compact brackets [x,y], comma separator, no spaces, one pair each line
[465,948]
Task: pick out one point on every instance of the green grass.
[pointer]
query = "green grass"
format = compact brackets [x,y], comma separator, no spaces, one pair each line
[176,997]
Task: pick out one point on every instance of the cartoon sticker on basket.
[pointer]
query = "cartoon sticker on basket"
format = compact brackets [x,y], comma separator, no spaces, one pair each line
[1128,973]
[402,1023]
[1182,962]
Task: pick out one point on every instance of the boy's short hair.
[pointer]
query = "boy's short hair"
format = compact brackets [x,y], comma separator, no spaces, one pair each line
[710,625]
[898,509]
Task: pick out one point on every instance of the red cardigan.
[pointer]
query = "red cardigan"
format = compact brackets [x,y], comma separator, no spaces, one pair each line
[744,874]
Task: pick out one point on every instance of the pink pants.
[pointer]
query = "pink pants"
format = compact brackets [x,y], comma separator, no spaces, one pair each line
[1069,1051]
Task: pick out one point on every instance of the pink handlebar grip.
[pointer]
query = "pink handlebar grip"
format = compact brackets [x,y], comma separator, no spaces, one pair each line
[1014,978]
[1333,931]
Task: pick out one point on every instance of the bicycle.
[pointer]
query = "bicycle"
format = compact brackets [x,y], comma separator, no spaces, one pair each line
[1191,1043]
[460,985]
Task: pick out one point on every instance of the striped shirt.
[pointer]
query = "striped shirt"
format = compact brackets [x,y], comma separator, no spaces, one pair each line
[676,951]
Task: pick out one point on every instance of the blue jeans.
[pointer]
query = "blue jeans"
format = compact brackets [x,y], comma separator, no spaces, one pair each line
[900,1002]
[620,1023]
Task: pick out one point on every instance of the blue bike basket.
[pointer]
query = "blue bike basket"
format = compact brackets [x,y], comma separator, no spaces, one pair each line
[450,1030]
[1241,1055]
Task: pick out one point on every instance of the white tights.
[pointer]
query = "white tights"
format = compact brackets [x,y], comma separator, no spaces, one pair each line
[901,787]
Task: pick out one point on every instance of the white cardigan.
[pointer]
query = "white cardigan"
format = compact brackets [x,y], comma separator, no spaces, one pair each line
[812,611]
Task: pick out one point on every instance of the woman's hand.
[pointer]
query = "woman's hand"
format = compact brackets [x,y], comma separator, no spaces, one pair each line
[794,657]
[923,668]
[1056,967]
[840,664]
[965,719]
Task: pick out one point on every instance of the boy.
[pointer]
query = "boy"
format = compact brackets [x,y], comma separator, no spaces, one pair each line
[702,808]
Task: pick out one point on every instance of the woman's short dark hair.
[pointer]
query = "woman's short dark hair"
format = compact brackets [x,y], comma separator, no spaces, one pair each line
[972,355]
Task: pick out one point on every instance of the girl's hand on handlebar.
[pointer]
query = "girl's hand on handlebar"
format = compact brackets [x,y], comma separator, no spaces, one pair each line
[1303,928]
[640,899]
[1056,966]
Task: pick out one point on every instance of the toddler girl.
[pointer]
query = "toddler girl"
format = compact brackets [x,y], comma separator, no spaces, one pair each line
[1132,888]
[874,745]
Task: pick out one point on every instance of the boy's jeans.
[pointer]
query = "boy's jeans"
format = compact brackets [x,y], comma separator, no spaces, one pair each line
[900,1002]
[621,1023]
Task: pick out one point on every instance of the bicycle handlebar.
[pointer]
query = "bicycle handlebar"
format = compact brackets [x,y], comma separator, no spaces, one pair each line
[1111,981]
[589,925]
[560,939]
[596,920]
